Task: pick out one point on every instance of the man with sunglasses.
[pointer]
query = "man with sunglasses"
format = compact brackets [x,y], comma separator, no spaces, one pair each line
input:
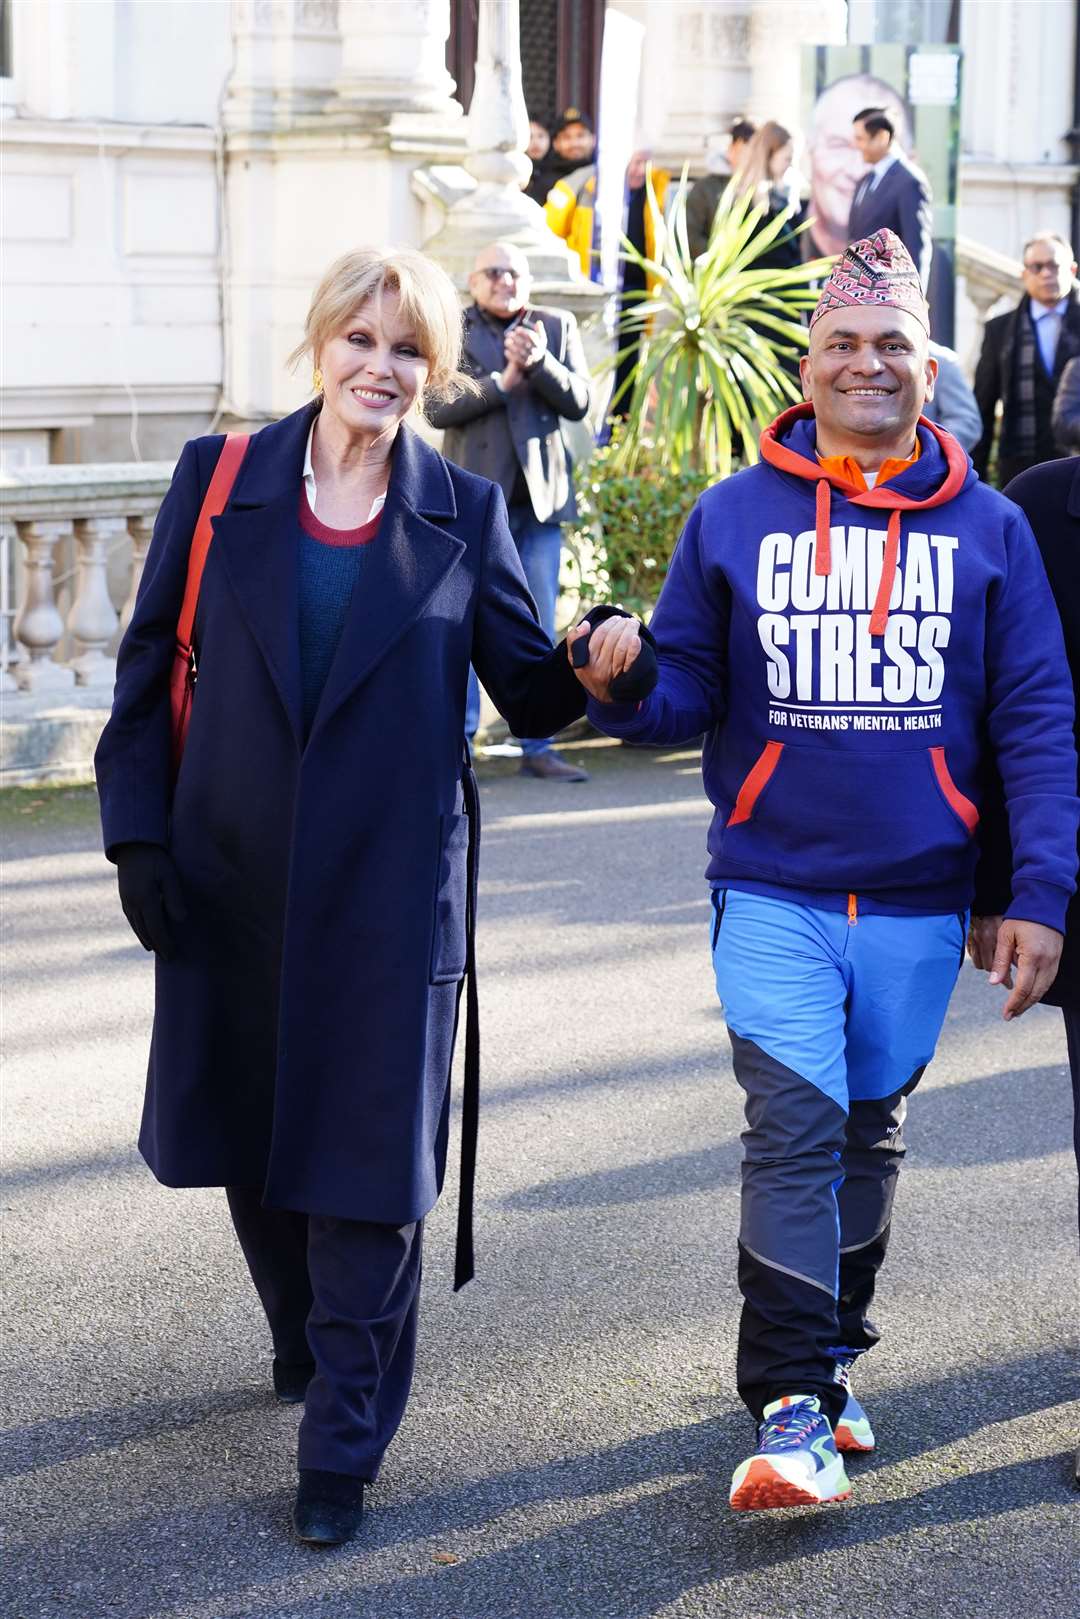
[532,375]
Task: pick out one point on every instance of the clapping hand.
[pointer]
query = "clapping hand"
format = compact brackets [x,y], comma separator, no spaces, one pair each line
[525,346]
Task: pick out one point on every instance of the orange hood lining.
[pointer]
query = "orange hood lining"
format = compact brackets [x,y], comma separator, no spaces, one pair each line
[883,497]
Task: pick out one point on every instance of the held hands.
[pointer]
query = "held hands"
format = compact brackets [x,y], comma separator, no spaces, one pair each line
[996,944]
[602,657]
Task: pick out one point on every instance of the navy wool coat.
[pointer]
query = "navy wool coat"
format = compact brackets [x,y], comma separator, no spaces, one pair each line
[303,1029]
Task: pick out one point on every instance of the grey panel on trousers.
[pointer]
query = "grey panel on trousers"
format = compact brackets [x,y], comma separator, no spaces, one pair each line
[791,1168]
[873,1153]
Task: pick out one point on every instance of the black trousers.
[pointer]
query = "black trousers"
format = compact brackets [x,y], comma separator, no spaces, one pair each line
[1072,1035]
[343,1296]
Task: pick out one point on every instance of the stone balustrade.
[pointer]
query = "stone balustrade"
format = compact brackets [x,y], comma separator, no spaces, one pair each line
[77,532]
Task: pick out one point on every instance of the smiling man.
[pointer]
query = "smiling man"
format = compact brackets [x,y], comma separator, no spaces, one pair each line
[852,622]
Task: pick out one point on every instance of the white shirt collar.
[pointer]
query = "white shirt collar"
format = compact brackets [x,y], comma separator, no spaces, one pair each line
[1040,311]
[309,480]
[882,166]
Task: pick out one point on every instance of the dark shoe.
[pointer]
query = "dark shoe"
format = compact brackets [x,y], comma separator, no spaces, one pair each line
[550,767]
[291,1379]
[329,1507]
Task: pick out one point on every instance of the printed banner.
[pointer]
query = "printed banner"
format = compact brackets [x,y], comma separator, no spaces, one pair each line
[919,87]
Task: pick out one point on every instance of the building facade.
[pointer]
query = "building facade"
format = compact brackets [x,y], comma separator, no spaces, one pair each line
[177,173]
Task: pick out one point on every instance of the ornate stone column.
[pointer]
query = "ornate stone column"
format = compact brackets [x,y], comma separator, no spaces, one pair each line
[92,620]
[287,55]
[393,60]
[141,530]
[38,625]
[497,208]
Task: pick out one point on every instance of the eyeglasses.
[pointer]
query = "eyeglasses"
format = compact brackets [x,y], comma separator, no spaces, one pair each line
[496,272]
[1044,267]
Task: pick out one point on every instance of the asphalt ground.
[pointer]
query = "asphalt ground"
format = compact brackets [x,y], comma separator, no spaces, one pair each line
[574,1424]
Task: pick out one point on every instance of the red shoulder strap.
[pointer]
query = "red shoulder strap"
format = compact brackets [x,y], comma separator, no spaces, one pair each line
[214,503]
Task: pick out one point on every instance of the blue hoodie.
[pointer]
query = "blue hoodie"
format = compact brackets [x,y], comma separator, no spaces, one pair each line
[851,674]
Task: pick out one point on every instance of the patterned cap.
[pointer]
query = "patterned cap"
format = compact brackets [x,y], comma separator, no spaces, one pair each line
[878,270]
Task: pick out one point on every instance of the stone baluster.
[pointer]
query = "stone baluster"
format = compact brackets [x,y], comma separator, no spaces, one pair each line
[92,620]
[38,626]
[141,529]
[8,649]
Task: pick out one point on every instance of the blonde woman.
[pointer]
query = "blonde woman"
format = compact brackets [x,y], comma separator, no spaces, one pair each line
[767,170]
[307,885]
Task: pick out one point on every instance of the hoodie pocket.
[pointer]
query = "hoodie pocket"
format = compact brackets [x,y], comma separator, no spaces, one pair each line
[876,819]
[448,943]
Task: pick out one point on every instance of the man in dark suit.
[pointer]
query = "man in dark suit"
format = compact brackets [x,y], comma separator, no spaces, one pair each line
[1024,353]
[893,194]
[532,373]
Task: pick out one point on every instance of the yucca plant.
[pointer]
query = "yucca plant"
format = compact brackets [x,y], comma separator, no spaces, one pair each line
[715,334]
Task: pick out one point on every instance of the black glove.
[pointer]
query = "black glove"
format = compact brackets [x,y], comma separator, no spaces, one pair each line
[633,685]
[150,894]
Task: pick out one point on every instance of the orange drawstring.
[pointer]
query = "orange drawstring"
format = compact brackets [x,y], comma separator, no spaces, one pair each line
[880,616]
[823,551]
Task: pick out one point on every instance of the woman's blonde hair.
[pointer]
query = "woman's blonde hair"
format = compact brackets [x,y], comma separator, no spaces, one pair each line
[429,303]
[760,151]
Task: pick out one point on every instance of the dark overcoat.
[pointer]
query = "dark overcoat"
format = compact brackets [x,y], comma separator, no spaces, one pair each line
[303,1030]
[1049,495]
[995,373]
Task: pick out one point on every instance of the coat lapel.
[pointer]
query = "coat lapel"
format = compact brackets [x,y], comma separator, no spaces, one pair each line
[1073,506]
[410,557]
[1068,344]
[257,540]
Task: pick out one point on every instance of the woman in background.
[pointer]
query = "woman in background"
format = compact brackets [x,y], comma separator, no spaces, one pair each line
[767,171]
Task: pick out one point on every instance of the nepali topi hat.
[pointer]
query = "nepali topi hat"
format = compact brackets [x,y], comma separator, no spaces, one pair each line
[877,270]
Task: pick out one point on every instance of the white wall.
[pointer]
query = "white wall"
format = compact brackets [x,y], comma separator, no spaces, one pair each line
[110,267]
[152,61]
[110,223]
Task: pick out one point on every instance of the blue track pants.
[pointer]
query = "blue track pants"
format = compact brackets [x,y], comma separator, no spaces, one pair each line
[831,1022]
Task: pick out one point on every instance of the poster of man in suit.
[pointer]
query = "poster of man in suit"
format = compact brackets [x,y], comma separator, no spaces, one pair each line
[917,87]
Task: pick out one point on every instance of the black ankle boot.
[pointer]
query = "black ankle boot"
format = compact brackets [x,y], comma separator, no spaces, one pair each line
[329,1507]
[291,1379]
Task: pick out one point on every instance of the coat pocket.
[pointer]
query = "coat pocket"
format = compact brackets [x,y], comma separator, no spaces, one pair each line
[448,941]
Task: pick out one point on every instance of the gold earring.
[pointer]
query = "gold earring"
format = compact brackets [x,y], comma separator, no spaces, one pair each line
[316,380]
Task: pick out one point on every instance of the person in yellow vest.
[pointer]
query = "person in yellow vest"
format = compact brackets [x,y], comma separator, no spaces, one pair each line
[570,210]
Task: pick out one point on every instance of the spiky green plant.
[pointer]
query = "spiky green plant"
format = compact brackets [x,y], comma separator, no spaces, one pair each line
[714,335]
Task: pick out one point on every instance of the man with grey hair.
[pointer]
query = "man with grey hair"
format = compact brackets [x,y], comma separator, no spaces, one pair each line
[532,375]
[1024,354]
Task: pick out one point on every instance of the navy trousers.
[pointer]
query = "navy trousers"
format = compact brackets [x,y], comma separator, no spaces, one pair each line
[343,1296]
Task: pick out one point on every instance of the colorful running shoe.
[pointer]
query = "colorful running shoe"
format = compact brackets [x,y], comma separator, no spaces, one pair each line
[853,1431]
[796,1462]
